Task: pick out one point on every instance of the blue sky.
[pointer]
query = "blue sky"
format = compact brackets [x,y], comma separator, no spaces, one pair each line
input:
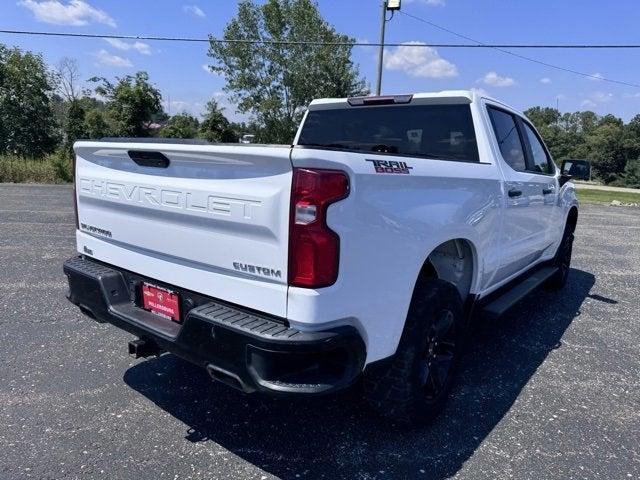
[177,69]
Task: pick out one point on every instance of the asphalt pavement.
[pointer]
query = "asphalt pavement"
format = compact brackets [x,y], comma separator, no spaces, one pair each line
[551,391]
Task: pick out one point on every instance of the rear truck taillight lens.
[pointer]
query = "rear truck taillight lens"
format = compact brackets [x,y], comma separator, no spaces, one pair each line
[75,190]
[314,249]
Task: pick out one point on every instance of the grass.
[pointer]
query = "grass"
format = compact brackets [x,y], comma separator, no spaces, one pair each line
[605,196]
[54,168]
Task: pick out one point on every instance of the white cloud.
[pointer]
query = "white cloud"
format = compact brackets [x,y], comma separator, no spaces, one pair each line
[596,77]
[176,107]
[545,80]
[601,97]
[229,107]
[194,10]
[206,68]
[367,47]
[76,12]
[596,98]
[180,106]
[495,80]
[419,61]
[140,47]
[106,59]
[196,106]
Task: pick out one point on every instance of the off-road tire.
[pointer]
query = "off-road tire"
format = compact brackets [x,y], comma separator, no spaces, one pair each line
[562,261]
[396,388]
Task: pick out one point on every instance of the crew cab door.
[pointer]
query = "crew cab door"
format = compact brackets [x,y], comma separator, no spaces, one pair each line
[539,162]
[528,210]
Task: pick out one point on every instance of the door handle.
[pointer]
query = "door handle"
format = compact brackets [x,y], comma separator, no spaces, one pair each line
[514,193]
[547,191]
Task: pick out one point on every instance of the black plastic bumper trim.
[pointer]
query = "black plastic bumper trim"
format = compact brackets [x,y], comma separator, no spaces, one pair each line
[243,348]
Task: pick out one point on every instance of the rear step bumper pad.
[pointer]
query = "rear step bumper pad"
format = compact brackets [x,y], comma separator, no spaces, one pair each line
[245,349]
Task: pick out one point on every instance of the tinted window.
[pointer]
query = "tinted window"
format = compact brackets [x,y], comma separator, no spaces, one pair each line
[504,126]
[433,131]
[539,158]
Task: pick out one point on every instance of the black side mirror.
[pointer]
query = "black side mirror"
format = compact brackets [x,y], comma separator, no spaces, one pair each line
[564,178]
[578,169]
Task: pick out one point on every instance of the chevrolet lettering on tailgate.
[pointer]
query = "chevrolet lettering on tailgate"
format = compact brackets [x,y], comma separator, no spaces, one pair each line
[170,197]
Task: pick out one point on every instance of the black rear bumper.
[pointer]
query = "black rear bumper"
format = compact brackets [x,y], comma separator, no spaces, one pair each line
[245,349]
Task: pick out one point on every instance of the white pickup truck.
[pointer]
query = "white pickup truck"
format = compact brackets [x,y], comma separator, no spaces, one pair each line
[359,252]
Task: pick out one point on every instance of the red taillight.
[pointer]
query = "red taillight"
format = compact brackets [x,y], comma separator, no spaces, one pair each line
[314,249]
[75,190]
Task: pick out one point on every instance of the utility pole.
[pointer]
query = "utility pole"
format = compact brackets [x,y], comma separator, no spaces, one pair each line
[392,6]
[383,22]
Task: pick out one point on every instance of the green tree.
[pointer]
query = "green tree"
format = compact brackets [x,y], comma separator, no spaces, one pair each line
[542,117]
[71,109]
[587,121]
[632,139]
[215,127]
[95,124]
[182,125]
[546,120]
[606,148]
[67,76]
[274,82]
[74,124]
[132,104]
[27,125]
[631,176]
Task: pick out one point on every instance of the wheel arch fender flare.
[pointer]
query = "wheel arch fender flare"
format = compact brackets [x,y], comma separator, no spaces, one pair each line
[571,217]
[439,260]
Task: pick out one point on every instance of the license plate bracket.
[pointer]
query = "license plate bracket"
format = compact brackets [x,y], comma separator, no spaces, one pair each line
[161,301]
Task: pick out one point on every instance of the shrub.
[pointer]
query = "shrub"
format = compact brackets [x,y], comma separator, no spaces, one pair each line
[63,165]
[54,168]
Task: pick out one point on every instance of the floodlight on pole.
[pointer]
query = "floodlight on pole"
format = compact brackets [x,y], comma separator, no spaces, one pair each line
[392,6]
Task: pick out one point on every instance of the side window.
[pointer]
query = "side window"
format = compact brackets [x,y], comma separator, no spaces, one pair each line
[540,161]
[506,130]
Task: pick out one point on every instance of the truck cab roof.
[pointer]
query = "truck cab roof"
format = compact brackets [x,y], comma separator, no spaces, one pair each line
[444,96]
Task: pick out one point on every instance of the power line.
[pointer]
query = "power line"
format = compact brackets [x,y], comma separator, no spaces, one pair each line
[501,48]
[477,43]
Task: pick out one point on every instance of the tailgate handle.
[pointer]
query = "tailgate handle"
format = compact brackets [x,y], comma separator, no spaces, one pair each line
[149,158]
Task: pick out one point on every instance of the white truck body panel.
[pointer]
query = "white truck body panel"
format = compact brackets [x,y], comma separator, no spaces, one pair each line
[388,225]
[396,221]
[188,224]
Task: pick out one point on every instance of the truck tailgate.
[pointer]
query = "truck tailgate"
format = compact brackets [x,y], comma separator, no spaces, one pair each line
[215,220]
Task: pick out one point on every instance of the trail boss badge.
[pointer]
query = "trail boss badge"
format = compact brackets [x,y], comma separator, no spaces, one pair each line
[390,166]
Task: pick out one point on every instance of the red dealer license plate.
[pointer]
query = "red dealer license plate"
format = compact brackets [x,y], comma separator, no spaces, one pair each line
[161,301]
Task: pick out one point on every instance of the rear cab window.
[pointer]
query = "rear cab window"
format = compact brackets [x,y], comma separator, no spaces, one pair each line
[441,132]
